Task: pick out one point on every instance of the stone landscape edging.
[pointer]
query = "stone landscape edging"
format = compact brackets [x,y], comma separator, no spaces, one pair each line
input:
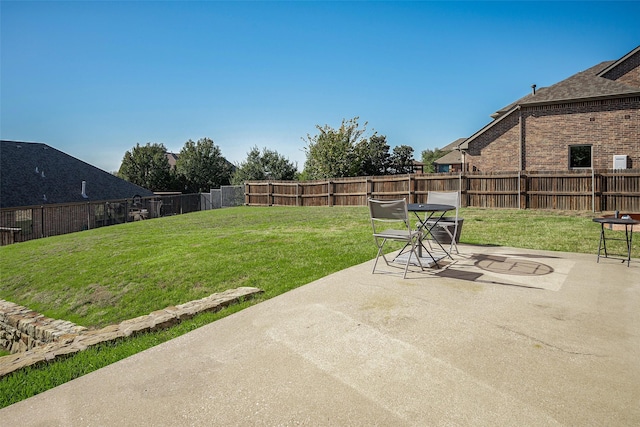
[70,338]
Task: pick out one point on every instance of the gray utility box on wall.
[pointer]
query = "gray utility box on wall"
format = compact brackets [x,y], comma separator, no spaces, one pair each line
[620,161]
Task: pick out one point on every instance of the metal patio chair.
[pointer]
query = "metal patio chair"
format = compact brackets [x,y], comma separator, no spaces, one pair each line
[447,223]
[390,221]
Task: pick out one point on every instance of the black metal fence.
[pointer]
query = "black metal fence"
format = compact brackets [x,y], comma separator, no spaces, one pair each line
[34,222]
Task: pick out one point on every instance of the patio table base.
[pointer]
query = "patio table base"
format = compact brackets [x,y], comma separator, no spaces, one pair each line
[426,261]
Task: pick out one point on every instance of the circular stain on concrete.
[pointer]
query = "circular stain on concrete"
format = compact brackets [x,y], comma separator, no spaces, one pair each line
[513,266]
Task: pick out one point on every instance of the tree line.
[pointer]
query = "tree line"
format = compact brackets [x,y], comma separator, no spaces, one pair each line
[331,153]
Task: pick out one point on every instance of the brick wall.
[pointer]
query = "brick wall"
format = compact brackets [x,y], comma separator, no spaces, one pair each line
[627,72]
[611,127]
[497,149]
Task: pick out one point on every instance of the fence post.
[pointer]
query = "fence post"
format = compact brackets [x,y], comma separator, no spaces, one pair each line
[329,193]
[41,222]
[464,195]
[519,191]
[524,190]
[602,186]
[593,191]
[412,189]
[368,187]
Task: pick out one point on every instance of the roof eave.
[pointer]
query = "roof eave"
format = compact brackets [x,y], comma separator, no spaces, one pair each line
[465,144]
[583,99]
[618,62]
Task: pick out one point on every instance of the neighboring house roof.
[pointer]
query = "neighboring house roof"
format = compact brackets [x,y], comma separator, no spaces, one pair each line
[172,158]
[454,145]
[590,84]
[35,174]
[453,156]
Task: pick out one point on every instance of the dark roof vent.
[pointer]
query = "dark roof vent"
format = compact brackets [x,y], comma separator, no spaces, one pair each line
[533,89]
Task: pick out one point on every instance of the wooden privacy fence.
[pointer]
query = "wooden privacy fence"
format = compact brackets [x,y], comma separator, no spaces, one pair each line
[584,190]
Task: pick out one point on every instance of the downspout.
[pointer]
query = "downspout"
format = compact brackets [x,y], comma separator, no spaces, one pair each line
[462,155]
[521,123]
[520,164]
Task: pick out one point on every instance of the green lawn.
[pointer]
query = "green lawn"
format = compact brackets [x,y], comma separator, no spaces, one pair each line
[110,274]
[107,275]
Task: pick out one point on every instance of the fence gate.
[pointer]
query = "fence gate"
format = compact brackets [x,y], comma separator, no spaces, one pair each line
[227,196]
[215,198]
[232,195]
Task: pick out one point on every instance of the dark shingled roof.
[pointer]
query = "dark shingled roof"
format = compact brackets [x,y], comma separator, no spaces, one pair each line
[586,85]
[582,86]
[35,174]
[451,158]
[454,145]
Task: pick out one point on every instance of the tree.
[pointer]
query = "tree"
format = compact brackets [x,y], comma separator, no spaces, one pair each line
[402,160]
[201,166]
[264,166]
[332,153]
[146,166]
[373,156]
[430,156]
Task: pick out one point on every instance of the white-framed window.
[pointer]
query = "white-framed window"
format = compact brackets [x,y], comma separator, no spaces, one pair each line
[580,156]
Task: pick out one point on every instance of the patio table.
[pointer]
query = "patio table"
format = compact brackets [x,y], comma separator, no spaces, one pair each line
[628,231]
[433,212]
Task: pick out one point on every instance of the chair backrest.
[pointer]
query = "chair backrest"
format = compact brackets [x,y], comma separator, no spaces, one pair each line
[444,198]
[389,211]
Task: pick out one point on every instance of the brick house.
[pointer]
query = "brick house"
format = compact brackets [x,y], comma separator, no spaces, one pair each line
[587,121]
[172,158]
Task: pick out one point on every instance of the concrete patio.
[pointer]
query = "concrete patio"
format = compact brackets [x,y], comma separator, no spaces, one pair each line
[499,337]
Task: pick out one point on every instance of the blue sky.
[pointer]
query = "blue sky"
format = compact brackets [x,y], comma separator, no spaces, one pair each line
[94,78]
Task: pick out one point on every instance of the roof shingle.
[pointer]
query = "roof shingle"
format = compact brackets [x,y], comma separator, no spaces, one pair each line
[35,174]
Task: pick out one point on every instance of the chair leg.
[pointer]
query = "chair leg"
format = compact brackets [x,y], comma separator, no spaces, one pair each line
[378,256]
[406,267]
[414,252]
[375,262]
[429,241]
[453,240]
[454,245]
